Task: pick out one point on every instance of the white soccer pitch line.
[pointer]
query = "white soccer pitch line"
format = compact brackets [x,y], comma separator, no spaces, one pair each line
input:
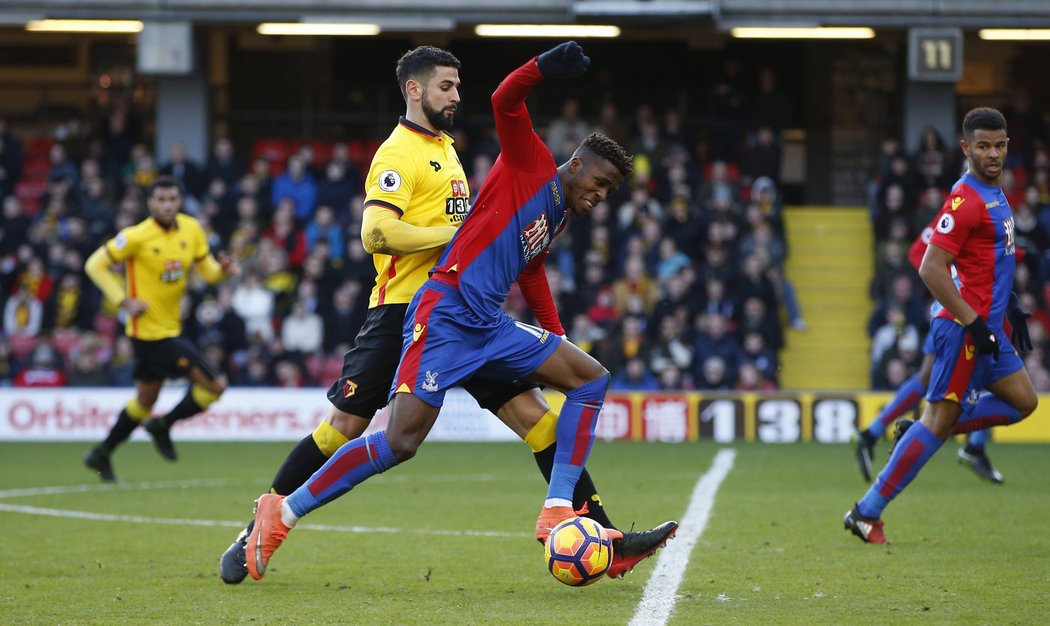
[654,609]
[95,488]
[176,521]
[661,591]
[173,521]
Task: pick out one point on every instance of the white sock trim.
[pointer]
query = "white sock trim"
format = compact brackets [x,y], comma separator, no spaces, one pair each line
[287,517]
[549,502]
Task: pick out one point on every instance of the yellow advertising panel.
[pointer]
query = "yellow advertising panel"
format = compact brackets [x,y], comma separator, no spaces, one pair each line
[770,417]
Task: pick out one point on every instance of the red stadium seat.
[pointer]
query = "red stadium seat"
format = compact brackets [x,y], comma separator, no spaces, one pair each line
[274,150]
[271,149]
[39,147]
[36,168]
[322,151]
[31,188]
[370,149]
[357,153]
[31,194]
[732,172]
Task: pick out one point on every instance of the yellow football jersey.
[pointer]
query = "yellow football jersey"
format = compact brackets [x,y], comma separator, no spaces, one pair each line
[418,175]
[156,262]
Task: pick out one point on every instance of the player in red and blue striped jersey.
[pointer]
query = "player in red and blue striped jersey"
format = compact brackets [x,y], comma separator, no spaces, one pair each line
[912,390]
[455,327]
[417,198]
[975,232]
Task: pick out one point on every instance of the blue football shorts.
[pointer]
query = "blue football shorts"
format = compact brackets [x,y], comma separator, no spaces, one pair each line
[446,342]
[959,374]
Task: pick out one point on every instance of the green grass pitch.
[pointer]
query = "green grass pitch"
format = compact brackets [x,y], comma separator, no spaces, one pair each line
[446,539]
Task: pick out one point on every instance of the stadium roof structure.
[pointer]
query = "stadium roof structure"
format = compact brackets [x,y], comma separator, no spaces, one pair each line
[448,14]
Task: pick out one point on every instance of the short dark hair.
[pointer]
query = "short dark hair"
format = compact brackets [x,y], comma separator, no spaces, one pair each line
[419,64]
[982,118]
[163,182]
[606,148]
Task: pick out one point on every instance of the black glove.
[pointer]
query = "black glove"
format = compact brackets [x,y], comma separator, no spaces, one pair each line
[564,60]
[1018,325]
[984,340]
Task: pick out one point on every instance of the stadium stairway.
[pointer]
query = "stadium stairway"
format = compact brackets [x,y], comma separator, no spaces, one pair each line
[831,263]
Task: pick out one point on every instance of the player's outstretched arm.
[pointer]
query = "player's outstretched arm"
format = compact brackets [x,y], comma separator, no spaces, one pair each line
[230,265]
[214,270]
[383,233]
[513,123]
[98,268]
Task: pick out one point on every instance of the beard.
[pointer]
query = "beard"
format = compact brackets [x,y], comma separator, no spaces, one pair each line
[437,118]
[980,168]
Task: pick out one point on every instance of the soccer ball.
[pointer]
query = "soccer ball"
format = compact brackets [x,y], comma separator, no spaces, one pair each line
[578,551]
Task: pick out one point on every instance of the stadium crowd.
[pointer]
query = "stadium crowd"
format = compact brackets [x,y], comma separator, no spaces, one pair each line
[676,282]
[907,190]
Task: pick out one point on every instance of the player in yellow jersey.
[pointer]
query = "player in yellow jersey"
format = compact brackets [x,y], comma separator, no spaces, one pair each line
[158,254]
[416,197]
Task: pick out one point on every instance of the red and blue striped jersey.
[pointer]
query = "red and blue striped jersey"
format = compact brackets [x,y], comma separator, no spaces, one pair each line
[977,226]
[519,210]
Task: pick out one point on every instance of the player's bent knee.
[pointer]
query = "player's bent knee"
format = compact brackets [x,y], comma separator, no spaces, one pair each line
[403,446]
[596,387]
[205,396]
[1028,406]
[605,377]
[349,425]
[594,373]
[146,400]
[220,386]
[597,370]
[214,386]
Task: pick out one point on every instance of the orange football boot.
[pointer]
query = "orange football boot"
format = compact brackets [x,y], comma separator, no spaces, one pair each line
[267,534]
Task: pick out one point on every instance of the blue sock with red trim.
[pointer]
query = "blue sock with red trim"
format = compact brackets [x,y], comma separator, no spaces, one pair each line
[990,410]
[909,456]
[908,395]
[353,463]
[575,434]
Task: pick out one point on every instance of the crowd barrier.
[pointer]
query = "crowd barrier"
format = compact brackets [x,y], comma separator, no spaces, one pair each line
[268,414]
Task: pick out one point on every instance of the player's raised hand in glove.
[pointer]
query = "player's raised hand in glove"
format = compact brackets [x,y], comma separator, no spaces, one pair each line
[564,60]
[984,340]
[1018,325]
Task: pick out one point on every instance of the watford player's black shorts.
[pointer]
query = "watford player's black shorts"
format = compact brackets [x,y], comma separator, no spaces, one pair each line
[169,358]
[369,368]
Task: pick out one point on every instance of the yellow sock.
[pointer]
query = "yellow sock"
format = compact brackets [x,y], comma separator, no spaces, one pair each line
[328,439]
[203,397]
[544,433]
[136,410]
